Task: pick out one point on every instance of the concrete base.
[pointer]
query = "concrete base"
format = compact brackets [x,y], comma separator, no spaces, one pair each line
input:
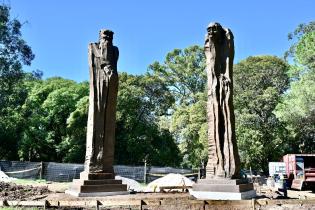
[96,185]
[203,195]
[95,194]
[223,189]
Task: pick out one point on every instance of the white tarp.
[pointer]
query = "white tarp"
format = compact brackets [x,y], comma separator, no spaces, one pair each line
[168,181]
[4,177]
[131,184]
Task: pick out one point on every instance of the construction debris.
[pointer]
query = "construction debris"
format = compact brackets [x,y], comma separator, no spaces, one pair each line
[11,191]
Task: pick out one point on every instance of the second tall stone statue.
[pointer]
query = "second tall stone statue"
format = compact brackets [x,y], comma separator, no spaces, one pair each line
[223,179]
[223,158]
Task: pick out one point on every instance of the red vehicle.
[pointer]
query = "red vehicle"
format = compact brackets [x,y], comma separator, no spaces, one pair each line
[300,169]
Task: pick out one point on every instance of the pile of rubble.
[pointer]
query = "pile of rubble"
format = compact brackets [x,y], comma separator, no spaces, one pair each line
[11,191]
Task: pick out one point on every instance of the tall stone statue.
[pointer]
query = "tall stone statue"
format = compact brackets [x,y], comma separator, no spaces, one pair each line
[98,178]
[223,179]
[103,57]
[223,159]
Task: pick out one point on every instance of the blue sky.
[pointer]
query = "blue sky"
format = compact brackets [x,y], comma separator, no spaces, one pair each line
[145,31]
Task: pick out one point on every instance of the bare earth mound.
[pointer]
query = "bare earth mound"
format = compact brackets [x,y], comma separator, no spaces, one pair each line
[11,191]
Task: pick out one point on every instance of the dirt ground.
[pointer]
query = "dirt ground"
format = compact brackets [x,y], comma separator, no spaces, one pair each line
[55,191]
[11,191]
[52,194]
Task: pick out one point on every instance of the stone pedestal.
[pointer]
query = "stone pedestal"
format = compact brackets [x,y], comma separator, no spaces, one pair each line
[96,184]
[223,189]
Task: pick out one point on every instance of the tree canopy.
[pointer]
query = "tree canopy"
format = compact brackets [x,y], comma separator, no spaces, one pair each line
[259,82]
[141,100]
[14,52]
[183,73]
[297,109]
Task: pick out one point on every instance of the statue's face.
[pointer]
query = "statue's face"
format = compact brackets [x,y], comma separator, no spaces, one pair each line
[214,31]
[105,35]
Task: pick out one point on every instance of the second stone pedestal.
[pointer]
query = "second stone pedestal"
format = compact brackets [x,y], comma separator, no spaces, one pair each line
[223,189]
[96,184]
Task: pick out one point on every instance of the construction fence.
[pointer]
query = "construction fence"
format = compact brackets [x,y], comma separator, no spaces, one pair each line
[66,172]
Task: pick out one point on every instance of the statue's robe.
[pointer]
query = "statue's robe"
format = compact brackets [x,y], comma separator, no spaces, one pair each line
[223,158]
[102,109]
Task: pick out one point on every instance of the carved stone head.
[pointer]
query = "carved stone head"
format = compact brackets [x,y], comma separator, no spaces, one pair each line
[215,31]
[106,35]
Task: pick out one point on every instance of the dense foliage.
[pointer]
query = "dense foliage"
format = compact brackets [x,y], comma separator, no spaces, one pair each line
[56,112]
[258,83]
[14,52]
[183,72]
[141,100]
[48,106]
[297,110]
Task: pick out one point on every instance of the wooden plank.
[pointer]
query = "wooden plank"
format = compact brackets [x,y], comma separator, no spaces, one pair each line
[78,203]
[169,188]
[228,207]
[172,207]
[165,203]
[175,187]
[151,202]
[228,202]
[285,201]
[26,203]
[121,202]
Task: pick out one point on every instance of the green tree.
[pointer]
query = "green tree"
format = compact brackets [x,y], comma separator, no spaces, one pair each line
[305,51]
[258,83]
[141,99]
[183,72]
[296,35]
[188,124]
[297,109]
[14,52]
[75,141]
[46,110]
[56,112]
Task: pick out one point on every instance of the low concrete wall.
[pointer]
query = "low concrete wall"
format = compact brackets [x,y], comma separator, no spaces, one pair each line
[166,203]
